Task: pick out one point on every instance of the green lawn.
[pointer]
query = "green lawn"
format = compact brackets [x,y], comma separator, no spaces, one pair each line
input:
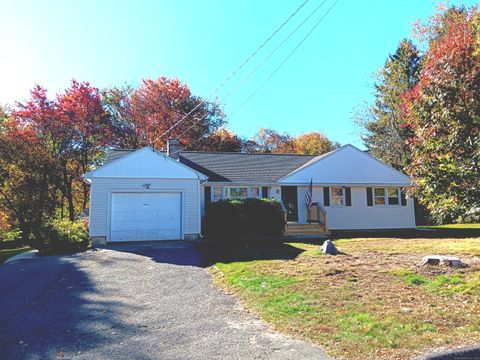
[7,253]
[372,302]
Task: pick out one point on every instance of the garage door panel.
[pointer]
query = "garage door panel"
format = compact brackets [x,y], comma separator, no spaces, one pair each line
[145,216]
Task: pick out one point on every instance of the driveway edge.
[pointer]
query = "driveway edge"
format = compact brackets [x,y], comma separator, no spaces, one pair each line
[471,352]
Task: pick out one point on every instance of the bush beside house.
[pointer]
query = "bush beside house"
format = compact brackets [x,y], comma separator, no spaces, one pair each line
[242,220]
[62,236]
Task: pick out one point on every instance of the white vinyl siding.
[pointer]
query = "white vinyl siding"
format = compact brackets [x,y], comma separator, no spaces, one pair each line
[146,164]
[102,189]
[359,215]
[347,165]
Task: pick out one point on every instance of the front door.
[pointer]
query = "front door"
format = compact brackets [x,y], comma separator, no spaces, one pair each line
[290,200]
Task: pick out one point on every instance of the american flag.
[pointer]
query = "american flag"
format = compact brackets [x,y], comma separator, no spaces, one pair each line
[308,195]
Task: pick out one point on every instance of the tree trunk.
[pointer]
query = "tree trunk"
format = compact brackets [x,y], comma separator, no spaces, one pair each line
[68,194]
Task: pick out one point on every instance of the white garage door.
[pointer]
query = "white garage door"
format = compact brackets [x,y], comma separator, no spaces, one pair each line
[146,216]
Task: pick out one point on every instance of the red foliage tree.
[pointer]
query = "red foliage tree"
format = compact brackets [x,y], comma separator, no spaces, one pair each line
[148,115]
[443,113]
[72,129]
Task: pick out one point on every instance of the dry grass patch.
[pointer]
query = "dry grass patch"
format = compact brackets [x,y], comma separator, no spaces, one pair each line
[370,303]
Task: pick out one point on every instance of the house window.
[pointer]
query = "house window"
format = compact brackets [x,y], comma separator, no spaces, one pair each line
[393,196]
[217,193]
[386,196]
[255,192]
[236,193]
[337,196]
[379,196]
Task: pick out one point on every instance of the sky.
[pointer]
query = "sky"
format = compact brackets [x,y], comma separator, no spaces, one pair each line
[201,42]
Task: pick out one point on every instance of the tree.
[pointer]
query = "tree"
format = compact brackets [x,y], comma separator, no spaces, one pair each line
[116,102]
[442,112]
[221,140]
[27,180]
[72,129]
[380,124]
[313,143]
[270,141]
[150,114]
[80,108]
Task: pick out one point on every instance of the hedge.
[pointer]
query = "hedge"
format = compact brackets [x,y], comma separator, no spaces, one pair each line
[248,219]
[62,236]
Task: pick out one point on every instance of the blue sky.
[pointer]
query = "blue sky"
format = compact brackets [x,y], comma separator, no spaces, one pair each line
[112,42]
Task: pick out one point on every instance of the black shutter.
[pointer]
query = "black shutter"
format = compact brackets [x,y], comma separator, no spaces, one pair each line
[348,196]
[326,196]
[208,197]
[369,197]
[403,199]
[265,191]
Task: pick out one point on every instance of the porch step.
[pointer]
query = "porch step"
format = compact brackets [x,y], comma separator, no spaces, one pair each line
[305,229]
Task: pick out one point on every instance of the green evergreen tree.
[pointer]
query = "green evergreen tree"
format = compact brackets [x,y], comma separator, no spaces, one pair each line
[381,124]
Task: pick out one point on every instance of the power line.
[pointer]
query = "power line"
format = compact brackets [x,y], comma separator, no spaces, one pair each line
[234,72]
[285,60]
[265,60]
[273,51]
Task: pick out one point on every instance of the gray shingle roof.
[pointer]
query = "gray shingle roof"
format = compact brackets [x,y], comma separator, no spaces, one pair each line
[115,154]
[243,167]
[237,167]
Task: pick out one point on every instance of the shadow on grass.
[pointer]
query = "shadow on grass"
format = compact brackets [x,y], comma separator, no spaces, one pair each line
[224,253]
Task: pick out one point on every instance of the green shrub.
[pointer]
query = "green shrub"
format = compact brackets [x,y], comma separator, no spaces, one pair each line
[223,221]
[62,236]
[12,235]
[262,217]
[249,219]
[11,239]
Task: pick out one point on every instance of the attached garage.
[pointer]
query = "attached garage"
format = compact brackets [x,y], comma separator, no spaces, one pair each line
[144,196]
[146,216]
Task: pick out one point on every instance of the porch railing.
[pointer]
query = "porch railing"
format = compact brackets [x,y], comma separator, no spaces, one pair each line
[317,213]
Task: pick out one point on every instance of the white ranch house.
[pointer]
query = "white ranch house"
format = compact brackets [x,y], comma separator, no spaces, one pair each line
[146,195]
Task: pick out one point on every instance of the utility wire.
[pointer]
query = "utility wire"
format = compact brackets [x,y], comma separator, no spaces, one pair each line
[277,69]
[234,72]
[285,60]
[273,52]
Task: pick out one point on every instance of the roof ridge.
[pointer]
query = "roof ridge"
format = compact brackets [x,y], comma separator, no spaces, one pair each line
[243,153]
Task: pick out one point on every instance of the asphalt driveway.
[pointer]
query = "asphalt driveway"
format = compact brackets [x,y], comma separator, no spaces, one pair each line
[151,301]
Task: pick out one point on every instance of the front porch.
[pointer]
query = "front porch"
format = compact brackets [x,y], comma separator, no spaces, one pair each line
[316,223]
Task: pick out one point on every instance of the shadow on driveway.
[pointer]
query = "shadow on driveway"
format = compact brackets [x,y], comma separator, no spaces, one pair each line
[141,301]
[205,254]
[51,308]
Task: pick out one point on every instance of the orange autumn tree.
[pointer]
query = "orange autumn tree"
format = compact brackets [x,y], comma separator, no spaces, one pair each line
[148,115]
[73,129]
[313,143]
[271,141]
[442,112]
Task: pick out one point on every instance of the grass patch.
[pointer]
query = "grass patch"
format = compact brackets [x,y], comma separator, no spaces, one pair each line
[370,303]
[7,253]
